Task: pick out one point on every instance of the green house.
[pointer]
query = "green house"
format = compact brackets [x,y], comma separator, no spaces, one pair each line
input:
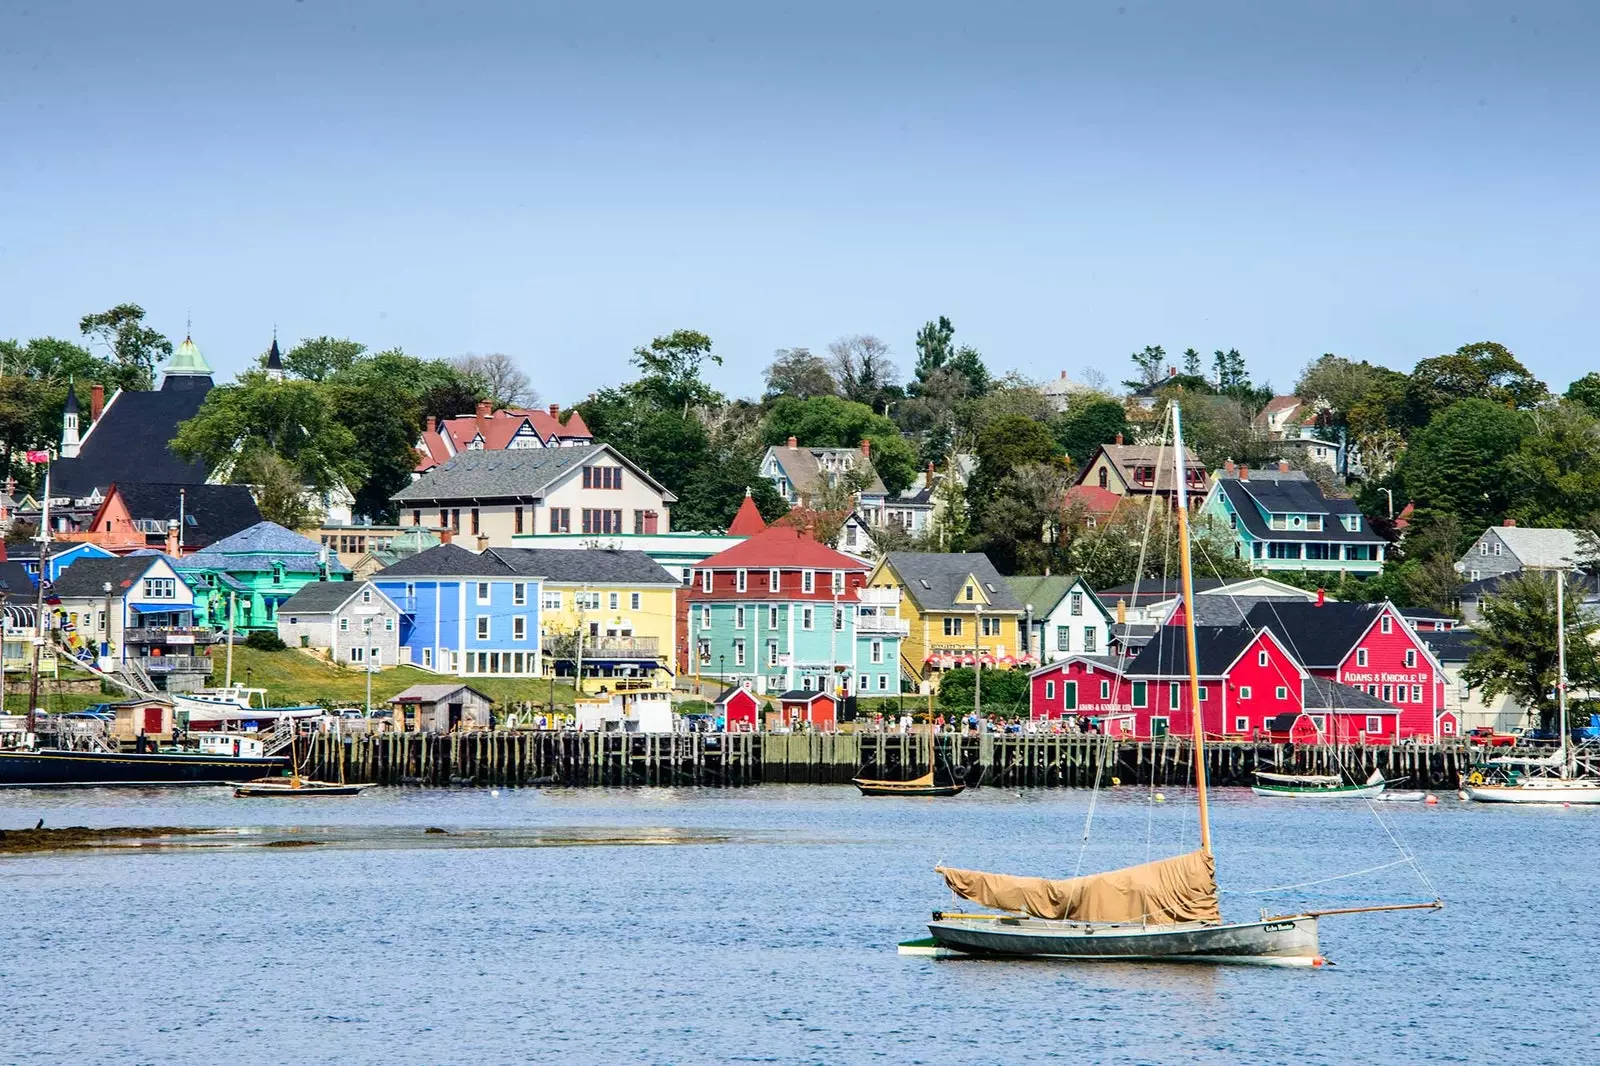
[259,568]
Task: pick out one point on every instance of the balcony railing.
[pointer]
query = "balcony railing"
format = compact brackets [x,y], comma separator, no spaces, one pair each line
[886,625]
[150,635]
[605,647]
[174,664]
[878,597]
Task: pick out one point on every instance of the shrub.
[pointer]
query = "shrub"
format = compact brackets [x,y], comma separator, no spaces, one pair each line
[264,640]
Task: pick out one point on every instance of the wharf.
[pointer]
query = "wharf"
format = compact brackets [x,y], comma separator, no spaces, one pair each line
[522,757]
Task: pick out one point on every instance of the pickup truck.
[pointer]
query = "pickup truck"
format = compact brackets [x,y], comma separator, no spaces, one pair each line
[1490,737]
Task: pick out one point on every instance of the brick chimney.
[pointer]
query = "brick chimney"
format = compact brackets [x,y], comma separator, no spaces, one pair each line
[483,542]
[555,411]
[431,424]
[97,401]
[1172,371]
[172,537]
[1228,468]
[1244,472]
[1119,438]
[1509,522]
[927,478]
[1283,466]
[485,408]
[794,442]
[1122,612]
[446,535]
[866,449]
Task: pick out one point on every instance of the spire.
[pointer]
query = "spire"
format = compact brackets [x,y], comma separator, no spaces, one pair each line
[72,398]
[69,424]
[187,361]
[274,360]
[748,522]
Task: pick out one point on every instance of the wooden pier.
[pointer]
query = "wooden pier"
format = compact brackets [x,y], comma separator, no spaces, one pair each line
[516,758]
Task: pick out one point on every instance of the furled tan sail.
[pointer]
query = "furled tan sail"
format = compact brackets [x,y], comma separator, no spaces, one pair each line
[1180,889]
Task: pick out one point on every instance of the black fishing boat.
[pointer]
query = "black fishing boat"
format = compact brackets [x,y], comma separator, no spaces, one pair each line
[58,766]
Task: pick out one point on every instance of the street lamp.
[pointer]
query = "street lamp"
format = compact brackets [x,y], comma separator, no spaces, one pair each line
[366,630]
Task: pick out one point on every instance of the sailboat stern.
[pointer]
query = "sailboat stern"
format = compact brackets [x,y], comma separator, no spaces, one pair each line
[1281,941]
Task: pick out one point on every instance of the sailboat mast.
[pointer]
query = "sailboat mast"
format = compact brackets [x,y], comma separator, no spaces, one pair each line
[1180,471]
[1561,668]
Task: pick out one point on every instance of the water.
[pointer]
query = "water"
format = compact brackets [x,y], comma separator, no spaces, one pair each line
[775,942]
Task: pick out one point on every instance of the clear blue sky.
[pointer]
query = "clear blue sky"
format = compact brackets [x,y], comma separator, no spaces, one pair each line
[1067,182]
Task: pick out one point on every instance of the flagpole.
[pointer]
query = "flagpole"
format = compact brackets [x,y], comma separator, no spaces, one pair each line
[38,608]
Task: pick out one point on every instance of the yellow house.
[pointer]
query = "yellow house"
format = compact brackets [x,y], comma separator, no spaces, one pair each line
[607,617]
[959,607]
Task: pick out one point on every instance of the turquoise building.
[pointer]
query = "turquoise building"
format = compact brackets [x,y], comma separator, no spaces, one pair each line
[261,566]
[1280,520]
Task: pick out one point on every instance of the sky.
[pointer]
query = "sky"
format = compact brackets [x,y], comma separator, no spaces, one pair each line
[1068,182]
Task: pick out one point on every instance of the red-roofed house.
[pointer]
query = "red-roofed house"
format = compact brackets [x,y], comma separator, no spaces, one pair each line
[748,522]
[786,613]
[489,430]
[1091,505]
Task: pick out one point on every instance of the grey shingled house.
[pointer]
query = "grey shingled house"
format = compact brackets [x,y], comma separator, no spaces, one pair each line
[353,620]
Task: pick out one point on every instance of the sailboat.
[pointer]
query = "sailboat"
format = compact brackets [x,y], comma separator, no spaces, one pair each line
[293,786]
[1511,779]
[1317,786]
[1166,910]
[917,786]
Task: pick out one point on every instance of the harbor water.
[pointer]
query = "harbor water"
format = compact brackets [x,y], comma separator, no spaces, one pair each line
[759,925]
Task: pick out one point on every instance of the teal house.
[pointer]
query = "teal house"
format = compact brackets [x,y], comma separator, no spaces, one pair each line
[786,613]
[261,567]
[1280,520]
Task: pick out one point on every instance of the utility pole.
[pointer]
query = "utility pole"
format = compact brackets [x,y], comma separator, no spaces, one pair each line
[977,665]
[366,632]
[233,603]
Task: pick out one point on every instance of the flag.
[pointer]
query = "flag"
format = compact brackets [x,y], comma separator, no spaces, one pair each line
[53,600]
[38,456]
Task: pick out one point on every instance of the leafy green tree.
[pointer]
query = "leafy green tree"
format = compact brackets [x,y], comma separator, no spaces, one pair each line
[1348,387]
[1024,528]
[969,364]
[296,421]
[1517,643]
[1228,369]
[935,346]
[1557,468]
[54,361]
[1151,364]
[318,358]
[1459,463]
[1002,693]
[1005,445]
[796,372]
[1088,424]
[134,348]
[1012,394]
[1586,391]
[1485,370]
[278,486]
[1191,363]
[832,422]
[672,367]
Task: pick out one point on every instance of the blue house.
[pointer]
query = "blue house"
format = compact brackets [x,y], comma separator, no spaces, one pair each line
[28,556]
[466,613]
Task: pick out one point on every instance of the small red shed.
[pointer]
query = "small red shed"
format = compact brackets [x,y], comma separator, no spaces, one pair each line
[1293,728]
[820,710]
[738,709]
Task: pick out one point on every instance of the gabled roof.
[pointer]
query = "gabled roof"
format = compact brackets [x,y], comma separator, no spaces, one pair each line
[1453,646]
[933,580]
[448,560]
[451,436]
[601,566]
[1045,591]
[781,548]
[1125,457]
[1320,637]
[1547,548]
[210,512]
[807,471]
[1167,654]
[435,693]
[88,576]
[1093,499]
[15,584]
[263,546]
[1324,695]
[523,472]
[1249,498]
[748,521]
[1228,610]
[806,695]
[325,597]
[130,442]
[729,693]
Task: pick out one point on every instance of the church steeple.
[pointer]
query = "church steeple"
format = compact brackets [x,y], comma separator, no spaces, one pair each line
[274,360]
[186,362]
[69,424]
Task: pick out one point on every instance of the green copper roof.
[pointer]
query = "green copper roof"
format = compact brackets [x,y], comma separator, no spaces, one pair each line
[188,360]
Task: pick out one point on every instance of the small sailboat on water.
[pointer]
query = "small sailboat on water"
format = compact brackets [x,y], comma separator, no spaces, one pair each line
[1166,910]
[293,786]
[1317,786]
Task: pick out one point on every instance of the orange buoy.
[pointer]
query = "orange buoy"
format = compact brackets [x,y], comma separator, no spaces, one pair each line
[1431,800]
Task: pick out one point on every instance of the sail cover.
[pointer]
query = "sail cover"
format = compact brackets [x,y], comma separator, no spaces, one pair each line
[1180,889]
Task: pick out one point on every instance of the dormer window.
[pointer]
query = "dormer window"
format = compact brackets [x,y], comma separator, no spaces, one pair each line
[971,593]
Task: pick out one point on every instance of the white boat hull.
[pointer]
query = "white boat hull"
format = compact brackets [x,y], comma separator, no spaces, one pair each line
[1345,792]
[1538,790]
[1286,941]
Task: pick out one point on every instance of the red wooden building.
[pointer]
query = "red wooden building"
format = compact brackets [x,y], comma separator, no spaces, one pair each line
[820,710]
[738,709]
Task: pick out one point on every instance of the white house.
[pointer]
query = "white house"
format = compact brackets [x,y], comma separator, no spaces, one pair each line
[353,620]
[1063,615]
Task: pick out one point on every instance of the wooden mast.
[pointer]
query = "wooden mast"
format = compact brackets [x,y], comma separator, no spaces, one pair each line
[1181,472]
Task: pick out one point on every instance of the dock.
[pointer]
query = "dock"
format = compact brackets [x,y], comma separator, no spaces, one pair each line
[516,758]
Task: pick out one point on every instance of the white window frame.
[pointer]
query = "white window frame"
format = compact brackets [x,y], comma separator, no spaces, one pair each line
[876,651]
[705,616]
[485,592]
[1385,624]
[808,617]
[738,616]
[613,601]
[1411,657]
[1077,605]
[635,600]
[774,580]
[1361,656]
[772,616]
[741,580]
[550,600]
[1105,690]
[519,627]
[1281,692]
[519,594]
[1261,658]
[808,581]
[838,581]
[1374,724]
[427,658]
[1049,690]
[738,653]
[705,580]
[484,629]
[357,654]
[344,625]
[1241,723]
[1244,692]
[1416,693]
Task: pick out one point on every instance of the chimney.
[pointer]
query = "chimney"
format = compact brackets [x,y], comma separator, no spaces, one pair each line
[446,535]
[555,411]
[172,537]
[97,401]
[431,425]
[1283,466]
[1228,468]
[794,442]
[866,449]
[484,409]
[1172,371]
[1063,375]
[1244,472]
[1119,438]
[1509,522]
[483,543]
[1122,612]
[1322,596]
[927,478]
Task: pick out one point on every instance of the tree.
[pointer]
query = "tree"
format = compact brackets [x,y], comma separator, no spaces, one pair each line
[1087,424]
[295,421]
[133,347]
[1346,386]
[934,348]
[862,368]
[1152,366]
[1010,395]
[671,366]
[796,372]
[317,358]
[831,422]
[506,383]
[1485,370]
[932,413]
[1457,464]
[1003,693]
[1228,369]
[969,364]
[1191,363]
[1556,468]
[1005,445]
[1023,528]
[1516,653]
[1586,391]
[279,488]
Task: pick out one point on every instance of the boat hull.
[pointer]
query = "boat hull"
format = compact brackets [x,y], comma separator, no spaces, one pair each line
[1285,941]
[1340,792]
[1537,790]
[905,788]
[284,789]
[47,767]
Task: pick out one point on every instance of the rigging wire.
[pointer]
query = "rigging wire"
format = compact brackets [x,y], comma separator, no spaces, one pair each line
[1308,884]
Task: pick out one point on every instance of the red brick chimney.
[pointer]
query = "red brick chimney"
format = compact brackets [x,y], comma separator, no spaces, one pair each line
[1172,371]
[446,535]
[431,424]
[794,442]
[1509,522]
[555,411]
[866,449]
[1244,472]
[172,538]
[97,401]
[1283,466]
[485,409]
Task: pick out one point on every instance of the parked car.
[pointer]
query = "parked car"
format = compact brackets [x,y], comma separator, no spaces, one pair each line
[1489,736]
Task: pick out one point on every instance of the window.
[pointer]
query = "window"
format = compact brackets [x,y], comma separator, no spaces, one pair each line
[861,683]
[705,617]
[427,658]
[516,519]
[474,521]
[1411,656]
[635,599]
[483,592]
[808,581]
[1244,692]
[455,519]
[1102,477]
[1205,693]
[1049,690]
[705,581]
[738,653]
[1400,694]
[838,581]
[483,627]
[444,517]
[1091,640]
[613,600]
[741,578]
[1281,692]
[774,580]
[772,653]
[344,625]
[1172,696]
[1077,604]
[1416,693]
[1497,547]
[1158,726]
[1388,694]
[970,593]
[952,626]
[1261,658]
[357,654]
[1063,638]
[160,588]
[807,617]
[877,651]
[416,518]
[550,600]
[1374,724]
[561,520]
[1385,624]
[519,593]
[519,627]
[388,624]
[366,595]
[1141,693]
[586,601]
[1361,656]
[838,618]
[738,618]
[602,520]
[1241,725]
[883,682]
[989,626]
[772,618]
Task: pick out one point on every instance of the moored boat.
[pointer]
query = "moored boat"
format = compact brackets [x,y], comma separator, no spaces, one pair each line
[917,786]
[1316,786]
[294,788]
[55,766]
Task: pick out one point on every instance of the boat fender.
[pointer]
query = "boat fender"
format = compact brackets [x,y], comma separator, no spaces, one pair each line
[1475,778]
